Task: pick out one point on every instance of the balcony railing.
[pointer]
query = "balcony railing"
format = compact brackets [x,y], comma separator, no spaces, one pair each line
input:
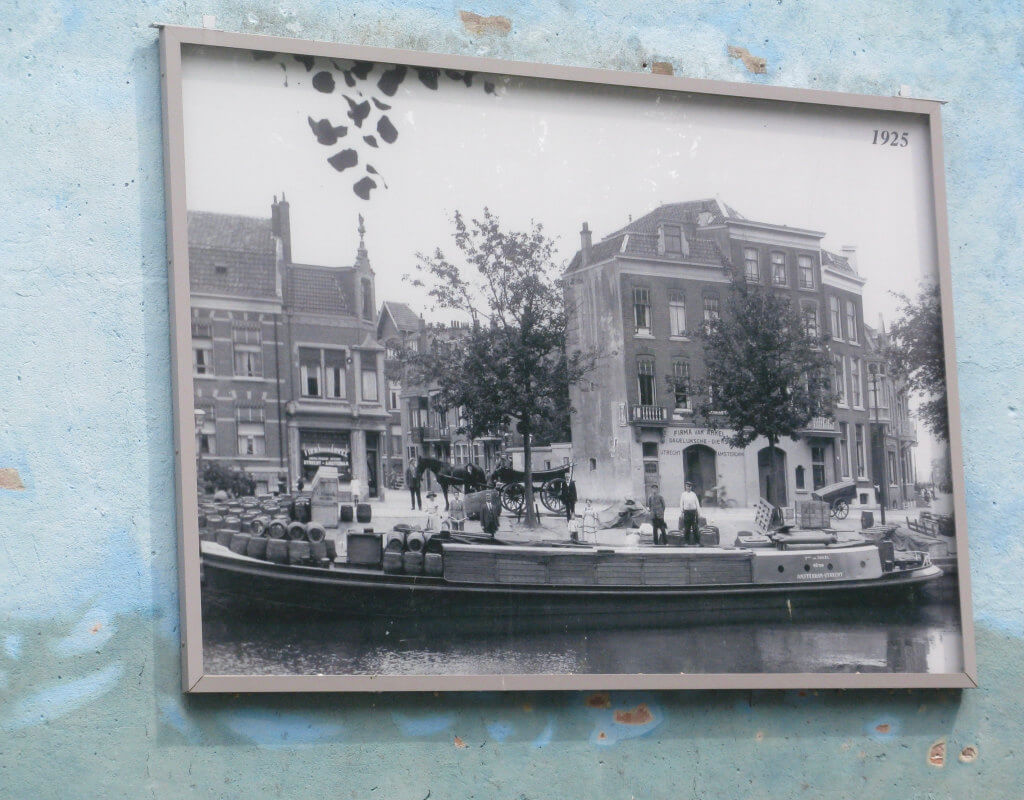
[429,433]
[648,414]
[820,425]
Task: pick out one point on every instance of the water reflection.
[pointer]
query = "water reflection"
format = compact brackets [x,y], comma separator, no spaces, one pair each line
[921,638]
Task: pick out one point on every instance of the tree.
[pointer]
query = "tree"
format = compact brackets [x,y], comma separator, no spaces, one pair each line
[509,364]
[916,354]
[767,371]
[237,482]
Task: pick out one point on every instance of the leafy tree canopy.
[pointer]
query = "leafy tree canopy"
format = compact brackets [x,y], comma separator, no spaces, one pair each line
[916,353]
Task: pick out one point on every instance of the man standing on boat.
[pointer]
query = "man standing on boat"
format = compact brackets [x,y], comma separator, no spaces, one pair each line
[656,505]
[689,506]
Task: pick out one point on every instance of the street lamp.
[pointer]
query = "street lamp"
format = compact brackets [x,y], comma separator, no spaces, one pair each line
[200,416]
[873,370]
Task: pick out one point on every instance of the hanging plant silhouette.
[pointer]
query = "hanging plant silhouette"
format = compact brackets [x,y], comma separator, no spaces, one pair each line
[365,87]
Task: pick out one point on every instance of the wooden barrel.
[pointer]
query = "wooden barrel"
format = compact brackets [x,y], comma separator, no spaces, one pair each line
[297,531]
[394,541]
[346,514]
[414,541]
[233,522]
[256,547]
[298,552]
[393,561]
[318,552]
[278,528]
[332,548]
[315,532]
[433,564]
[258,526]
[412,563]
[224,536]
[239,543]
[277,551]
[363,512]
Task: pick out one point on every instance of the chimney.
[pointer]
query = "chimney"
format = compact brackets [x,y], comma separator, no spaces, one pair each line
[586,240]
[850,251]
[281,226]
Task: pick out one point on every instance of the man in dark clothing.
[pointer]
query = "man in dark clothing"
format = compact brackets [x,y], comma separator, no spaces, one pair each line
[412,480]
[569,499]
[490,513]
[656,505]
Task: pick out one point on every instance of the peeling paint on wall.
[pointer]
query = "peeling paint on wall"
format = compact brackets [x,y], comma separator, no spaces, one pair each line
[481,26]
[10,479]
[754,64]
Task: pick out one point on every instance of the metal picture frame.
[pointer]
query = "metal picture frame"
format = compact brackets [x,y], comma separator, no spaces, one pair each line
[196,679]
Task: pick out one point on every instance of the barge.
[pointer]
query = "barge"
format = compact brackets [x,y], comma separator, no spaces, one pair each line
[492,585]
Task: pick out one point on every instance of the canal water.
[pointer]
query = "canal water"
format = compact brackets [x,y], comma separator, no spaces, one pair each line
[923,637]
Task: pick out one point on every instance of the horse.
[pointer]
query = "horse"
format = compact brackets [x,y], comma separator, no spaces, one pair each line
[470,476]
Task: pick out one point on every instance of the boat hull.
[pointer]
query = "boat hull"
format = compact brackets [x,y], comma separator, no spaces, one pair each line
[233,583]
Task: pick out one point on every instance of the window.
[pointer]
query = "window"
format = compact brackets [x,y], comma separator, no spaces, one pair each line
[855,383]
[593,464]
[207,438]
[677,312]
[367,299]
[334,373]
[202,357]
[844,449]
[806,269]
[310,372]
[840,379]
[851,321]
[779,269]
[835,317]
[394,392]
[394,352]
[751,267]
[810,317]
[800,477]
[369,378]
[893,478]
[673,239]
[642,309]
[711,310]
[681,385]
[861,461]
[251,434]
[645,381]
[248,349]
[650,449]
[818,466]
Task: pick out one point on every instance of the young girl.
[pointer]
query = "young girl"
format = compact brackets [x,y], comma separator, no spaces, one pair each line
[589,523]
[433,512]
[457,510]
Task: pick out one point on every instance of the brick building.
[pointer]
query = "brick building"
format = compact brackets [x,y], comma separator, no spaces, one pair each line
[638,296]
[399,329]
[287,371]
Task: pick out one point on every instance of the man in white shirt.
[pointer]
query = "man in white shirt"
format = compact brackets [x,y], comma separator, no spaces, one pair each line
[689,505]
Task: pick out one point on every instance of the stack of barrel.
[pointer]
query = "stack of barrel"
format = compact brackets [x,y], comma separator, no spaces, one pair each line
[276,529]
[411,551]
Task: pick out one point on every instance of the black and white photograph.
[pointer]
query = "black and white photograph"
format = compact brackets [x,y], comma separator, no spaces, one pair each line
[495,375]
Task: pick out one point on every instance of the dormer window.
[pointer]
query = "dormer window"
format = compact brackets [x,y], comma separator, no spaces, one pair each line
[220,269]
[673,240]
[704,218]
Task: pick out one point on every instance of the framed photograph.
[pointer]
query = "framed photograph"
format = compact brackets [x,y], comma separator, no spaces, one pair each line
[494,375]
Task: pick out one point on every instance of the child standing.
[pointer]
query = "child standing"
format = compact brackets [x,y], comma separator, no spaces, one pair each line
[589,522]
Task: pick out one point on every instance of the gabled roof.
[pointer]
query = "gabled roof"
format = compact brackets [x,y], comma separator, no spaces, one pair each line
[231,255]
[405,319]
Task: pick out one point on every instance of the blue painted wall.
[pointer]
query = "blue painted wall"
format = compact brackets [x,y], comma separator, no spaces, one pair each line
[89,698]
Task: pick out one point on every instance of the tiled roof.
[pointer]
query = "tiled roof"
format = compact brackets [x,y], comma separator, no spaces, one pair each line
[836,261]
[230,254]
[404,317]
[318,290]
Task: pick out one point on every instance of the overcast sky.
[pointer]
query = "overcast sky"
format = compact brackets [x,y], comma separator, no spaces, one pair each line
[558,154]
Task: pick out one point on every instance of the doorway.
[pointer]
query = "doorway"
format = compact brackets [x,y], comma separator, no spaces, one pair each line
[700,468]
[373,464]
[773,487]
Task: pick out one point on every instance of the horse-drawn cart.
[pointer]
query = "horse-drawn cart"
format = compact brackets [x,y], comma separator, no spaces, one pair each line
[548,484]
[838,496]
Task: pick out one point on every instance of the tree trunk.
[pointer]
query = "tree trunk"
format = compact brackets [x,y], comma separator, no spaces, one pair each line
[772,490]
[531,518]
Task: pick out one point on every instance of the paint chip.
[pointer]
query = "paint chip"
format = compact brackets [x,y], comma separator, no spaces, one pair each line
[885,727]
[937,753]
[599,700]
[640,715]
[460,744]
[482,26]
[759,736]
[662,68]
[754,64]
[10,479]
[95,628]
[969,754]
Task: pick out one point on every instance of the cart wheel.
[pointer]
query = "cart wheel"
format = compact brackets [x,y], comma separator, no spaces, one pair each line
[551,495]
[840,509]
[513,497]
